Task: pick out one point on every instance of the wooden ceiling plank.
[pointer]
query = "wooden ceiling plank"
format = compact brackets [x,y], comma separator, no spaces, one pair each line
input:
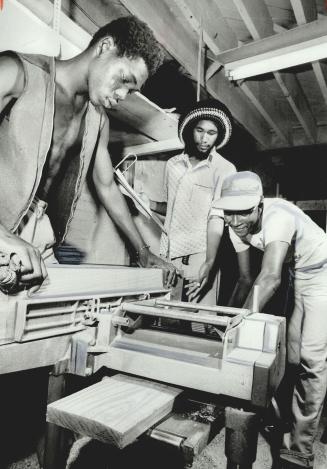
[198,24]
[320,72]
[279,29]
[240,107]
[287,82]
[212,69]
[293,93]
[152,148]
[181,43]
[214,22]
[253,90]
[305,11]
[147,117]
[292,38]
[256,17]
[248,90]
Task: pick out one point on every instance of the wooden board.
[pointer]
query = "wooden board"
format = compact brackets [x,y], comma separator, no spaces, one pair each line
[34,354]
[116,410]
[93,279]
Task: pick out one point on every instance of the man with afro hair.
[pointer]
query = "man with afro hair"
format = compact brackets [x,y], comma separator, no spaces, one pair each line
[51,111]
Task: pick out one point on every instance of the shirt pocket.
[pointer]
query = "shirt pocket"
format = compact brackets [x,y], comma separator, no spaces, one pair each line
[201,200]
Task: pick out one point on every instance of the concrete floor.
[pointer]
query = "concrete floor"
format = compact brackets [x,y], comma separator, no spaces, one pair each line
[96,456]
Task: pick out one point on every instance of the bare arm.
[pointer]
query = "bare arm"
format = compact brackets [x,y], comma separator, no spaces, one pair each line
[26,257]
[214,234]
[245,280]
[269,277]
[116,207]
[11,79]
[109,194]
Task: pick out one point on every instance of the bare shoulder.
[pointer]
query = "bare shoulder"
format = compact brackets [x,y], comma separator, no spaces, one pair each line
[11,76]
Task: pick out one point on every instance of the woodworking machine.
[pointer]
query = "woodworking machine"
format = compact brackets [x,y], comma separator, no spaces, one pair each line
[122,319]
[220,350]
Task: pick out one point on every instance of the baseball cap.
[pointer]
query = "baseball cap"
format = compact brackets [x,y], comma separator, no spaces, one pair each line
[240,191]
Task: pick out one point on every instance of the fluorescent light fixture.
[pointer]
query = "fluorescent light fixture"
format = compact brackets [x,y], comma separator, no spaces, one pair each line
[272,61]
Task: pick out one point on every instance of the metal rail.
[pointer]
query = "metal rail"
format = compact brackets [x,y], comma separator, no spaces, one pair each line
[215,309]
[174,314]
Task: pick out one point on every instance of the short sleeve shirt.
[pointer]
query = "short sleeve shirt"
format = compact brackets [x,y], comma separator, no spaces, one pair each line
[283,221]
[190,193]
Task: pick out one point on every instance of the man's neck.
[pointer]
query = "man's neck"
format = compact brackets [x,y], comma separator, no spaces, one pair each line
[71,76]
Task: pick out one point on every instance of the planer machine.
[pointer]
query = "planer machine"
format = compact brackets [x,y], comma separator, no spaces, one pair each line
[226,363]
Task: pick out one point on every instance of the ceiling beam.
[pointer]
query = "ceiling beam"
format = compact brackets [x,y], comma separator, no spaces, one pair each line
[212,69]
[139,112]
[182,44]
[305,11]
[292,39]
[257,91]
[251,90]
[266,110]
[214,22]
[294,95]
[152,148]
[198,24]
[320,71]
[257,18]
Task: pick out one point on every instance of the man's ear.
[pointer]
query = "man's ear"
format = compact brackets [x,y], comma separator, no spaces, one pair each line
[261,203]
[105,44]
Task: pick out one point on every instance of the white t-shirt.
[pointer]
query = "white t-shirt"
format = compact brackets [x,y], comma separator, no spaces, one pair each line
[284,221]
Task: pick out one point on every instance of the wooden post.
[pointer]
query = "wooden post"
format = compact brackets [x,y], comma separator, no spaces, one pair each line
[54,445]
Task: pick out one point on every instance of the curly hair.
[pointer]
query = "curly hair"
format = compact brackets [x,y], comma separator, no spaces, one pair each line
[133,38]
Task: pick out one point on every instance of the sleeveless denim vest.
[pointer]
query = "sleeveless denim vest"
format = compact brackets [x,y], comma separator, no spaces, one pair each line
[25,139]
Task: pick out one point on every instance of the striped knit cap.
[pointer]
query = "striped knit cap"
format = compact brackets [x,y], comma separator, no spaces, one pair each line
[210,109]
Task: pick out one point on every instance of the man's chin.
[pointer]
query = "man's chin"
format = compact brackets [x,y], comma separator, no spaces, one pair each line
[203,153]
[241,233]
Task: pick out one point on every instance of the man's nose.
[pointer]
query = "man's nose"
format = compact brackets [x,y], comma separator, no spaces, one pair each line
[234,220]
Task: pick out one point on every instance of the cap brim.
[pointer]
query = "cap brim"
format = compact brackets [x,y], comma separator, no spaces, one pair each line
[237,202]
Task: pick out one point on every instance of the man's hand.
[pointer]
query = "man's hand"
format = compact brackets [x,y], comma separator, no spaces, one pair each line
[27,259]
[195,286]
[148,259]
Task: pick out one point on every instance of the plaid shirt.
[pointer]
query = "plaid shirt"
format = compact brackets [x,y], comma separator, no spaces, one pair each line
[190,192]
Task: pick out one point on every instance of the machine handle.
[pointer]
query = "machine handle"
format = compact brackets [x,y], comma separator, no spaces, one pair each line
[192,306]
[174,314]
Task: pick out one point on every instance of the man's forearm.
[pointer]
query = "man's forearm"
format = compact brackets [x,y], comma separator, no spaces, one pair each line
[117,209]
[240,293]
[214,233]
[267,285]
